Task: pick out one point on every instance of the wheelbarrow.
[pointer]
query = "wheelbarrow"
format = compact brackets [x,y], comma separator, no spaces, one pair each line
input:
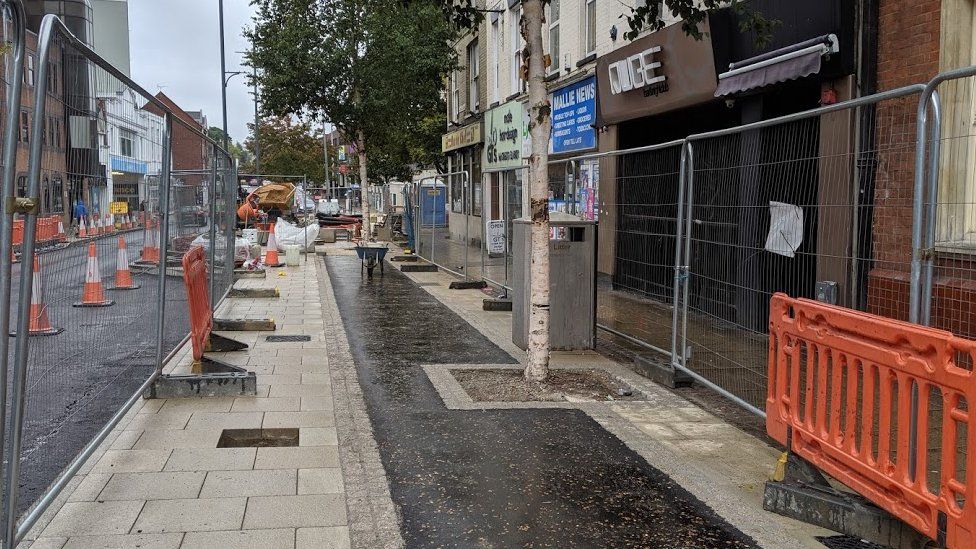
[370,256]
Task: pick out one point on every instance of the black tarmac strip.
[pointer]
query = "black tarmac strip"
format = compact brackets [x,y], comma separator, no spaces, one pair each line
[497,478]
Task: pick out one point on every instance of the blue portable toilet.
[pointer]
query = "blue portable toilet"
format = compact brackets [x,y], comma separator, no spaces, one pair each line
[433,203]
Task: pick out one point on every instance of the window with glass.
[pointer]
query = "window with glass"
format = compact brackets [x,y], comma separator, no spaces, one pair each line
[497,38]
[24,135]
[29,70]
[474,75]
[22,186]
[517,84]
[455,97]
[46,194]
[589,27]
[57,200]
[127,142]
[554,35]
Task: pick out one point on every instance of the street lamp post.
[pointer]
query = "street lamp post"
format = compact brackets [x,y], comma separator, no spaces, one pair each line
[223,71]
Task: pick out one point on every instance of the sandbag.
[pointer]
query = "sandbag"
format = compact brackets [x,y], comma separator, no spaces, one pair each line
[303,237]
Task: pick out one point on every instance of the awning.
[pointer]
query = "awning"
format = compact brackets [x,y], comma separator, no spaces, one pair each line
[784,64]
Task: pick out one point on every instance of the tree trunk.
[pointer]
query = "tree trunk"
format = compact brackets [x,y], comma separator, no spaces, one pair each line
[537,364]
[363,186]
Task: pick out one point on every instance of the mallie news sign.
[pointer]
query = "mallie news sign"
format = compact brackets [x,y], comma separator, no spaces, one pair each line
[573,116]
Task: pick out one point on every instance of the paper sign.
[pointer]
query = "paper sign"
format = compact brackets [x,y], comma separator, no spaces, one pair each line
[496,236]
[785,229]
[118,207]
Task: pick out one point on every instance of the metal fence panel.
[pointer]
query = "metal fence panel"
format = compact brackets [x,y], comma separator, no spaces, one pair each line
[503,203]
[90,330]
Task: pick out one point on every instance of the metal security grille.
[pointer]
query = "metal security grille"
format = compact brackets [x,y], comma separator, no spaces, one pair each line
[287,338]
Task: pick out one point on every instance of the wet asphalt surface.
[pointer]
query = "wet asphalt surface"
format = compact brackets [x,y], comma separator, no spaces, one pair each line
[79,378]
[497,478]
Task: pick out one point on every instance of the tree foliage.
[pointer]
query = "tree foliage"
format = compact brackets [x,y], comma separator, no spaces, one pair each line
[370,66]
[236,150]
[288,147]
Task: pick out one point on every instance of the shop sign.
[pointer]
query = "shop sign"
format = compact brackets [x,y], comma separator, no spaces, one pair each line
[464,137]
[573,116]
[496,236]
[663,71]
[118,207]
[131,189]
[503,136]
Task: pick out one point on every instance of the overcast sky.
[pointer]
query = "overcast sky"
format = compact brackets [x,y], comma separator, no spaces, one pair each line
[175,46]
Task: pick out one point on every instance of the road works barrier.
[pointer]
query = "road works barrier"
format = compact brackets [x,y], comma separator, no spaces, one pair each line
[842,388]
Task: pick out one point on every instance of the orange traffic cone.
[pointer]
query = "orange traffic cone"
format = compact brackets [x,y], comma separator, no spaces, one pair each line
[109,223]
[94,293]
[123,276]
[128,221]
[61,235]
[271,255]
[40,324]
[98,226]
[82,228]
[150,249]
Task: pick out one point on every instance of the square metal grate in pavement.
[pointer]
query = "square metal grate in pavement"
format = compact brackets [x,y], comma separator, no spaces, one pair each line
[847,542]
[287,338]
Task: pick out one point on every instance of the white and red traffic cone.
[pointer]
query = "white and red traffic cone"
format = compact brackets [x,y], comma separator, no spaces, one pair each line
[123,276]
[150,247]
[271,255]
[61,234]
[40,323]
[94,293]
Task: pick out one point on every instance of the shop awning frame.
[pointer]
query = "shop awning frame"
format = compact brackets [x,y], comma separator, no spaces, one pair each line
[789,63]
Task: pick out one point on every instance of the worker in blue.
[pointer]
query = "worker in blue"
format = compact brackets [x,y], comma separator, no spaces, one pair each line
[80,213]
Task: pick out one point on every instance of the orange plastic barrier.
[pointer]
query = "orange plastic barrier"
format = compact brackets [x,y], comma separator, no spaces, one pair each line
[839,393]
[195,279]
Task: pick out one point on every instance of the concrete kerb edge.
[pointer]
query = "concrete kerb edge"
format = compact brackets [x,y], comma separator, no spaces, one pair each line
[374,520]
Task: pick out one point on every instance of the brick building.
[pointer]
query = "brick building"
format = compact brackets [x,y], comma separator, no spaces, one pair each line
[54,192]
[941,39]
[190,151]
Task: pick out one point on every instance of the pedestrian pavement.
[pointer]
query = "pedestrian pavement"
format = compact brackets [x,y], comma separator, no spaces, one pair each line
[159,480]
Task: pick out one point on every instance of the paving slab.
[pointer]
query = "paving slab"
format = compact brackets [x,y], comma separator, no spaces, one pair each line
[279,538]
[211,459]
[295,511]
[94,518]
[162,485]
[300,457]
[225,484]
[128,541]
[191,515]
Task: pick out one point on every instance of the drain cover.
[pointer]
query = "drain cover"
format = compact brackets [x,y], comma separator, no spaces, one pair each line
[285,339]
[847,542]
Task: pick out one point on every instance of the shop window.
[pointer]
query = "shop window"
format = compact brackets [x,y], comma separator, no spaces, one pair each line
[554,35]
[456,182]
[589,27]
[474,77]
[45,195]
[127,142]
[24,135]
[476,197]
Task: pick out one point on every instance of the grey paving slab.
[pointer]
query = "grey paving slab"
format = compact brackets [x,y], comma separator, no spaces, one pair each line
[297,457]
[298,419]
[128,541]
[335,537]
[162,485]
[131,461]
[279,538]
[225,420]
[190,515]
[253,404]
[269,482]
[295,511]
[172,438]
[317,436]
[211,459]
[320,481]
[94,518]
[89,487]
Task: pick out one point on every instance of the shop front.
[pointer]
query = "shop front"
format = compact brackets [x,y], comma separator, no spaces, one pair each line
[128,178]
[506,151]
[463,149]
[574,181]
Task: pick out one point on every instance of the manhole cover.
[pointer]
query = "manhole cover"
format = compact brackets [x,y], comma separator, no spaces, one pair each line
[257,438]
[285,339]
[847,542]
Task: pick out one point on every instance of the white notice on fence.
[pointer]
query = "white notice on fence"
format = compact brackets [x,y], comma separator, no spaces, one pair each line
[785,229]
[496,236]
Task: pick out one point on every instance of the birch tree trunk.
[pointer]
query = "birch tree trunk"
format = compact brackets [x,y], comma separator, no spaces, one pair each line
[363,185]
[537,364]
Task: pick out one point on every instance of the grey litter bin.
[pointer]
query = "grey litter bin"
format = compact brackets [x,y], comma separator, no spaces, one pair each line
[572,282]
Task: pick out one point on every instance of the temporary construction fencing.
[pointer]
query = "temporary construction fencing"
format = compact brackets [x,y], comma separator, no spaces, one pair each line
[110,326]
[452,242]
[503,202]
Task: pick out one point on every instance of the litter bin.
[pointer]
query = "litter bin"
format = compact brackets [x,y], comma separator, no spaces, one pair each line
[572,282]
